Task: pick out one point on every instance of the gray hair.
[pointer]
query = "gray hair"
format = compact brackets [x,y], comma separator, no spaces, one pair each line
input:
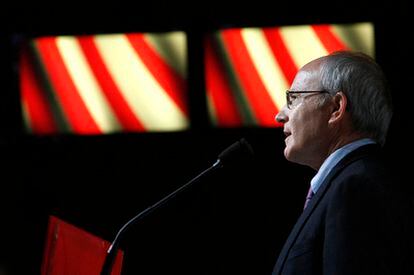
[364,84]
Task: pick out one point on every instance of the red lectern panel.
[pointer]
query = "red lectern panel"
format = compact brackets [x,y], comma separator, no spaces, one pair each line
[70,250]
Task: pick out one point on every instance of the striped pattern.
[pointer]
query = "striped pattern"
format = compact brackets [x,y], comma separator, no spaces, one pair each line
[104,84]
[249,69]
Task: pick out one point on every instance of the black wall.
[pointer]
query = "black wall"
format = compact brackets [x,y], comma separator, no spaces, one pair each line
[235,220]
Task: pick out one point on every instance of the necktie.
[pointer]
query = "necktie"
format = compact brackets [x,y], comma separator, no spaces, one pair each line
[308,197]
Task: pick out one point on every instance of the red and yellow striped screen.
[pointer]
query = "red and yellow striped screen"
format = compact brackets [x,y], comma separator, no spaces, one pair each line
[248,70]
[99,84]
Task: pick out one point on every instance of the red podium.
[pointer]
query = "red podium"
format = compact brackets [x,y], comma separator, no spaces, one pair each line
[72,251]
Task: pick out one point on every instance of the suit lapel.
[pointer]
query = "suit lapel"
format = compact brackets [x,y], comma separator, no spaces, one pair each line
[353,156]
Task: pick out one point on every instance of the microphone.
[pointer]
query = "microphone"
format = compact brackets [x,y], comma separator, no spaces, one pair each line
[239,151]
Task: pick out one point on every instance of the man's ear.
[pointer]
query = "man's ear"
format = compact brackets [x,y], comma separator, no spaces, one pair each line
[339,105]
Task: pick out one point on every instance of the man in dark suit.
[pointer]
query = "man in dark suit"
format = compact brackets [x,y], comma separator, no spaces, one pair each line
[356,219]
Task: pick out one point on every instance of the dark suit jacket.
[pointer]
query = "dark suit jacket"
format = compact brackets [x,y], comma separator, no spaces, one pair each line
[357,223]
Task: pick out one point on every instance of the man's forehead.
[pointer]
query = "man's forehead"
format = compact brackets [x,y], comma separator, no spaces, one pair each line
[306,79]
[314,64]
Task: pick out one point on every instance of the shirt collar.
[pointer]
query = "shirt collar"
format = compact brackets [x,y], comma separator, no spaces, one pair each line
[333,160]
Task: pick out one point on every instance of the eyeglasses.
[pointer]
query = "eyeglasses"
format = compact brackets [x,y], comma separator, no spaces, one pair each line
[291,96]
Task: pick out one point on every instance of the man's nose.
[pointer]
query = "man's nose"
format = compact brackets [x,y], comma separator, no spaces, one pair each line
[282,117]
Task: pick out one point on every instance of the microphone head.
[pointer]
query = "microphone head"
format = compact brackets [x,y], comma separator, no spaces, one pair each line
[239,151]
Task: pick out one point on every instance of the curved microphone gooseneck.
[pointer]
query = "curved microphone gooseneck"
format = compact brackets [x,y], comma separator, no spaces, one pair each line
[238,150]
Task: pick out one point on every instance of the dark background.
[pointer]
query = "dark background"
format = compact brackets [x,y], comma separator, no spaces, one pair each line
[235,220]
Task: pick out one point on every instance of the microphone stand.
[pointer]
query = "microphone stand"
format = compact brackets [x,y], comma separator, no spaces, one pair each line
[111,253]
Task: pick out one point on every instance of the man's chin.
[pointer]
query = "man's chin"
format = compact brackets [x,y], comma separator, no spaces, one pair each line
[290,156]
[286,152]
